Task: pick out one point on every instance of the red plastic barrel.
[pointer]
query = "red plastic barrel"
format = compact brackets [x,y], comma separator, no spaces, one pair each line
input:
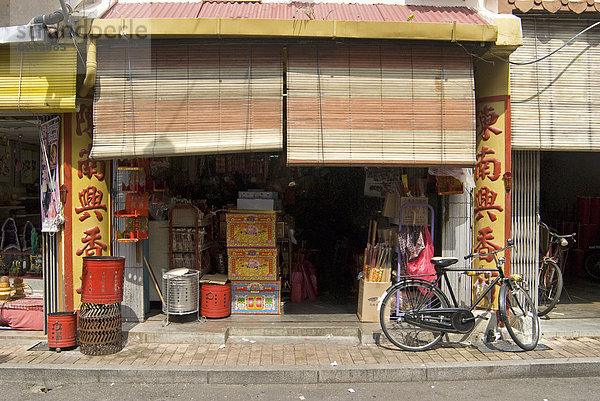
[102,279]
[62,329]
[216,300]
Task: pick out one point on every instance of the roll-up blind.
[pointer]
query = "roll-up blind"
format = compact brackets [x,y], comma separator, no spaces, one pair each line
[554,102]
[177,98]
[380,104]
[36,77]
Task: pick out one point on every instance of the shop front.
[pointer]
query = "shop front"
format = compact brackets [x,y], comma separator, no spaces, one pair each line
[329,155]
[555,140]
[34,95]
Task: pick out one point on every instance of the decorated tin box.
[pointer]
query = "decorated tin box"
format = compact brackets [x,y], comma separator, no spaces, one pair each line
[252,263]
[256,297]
[251,229]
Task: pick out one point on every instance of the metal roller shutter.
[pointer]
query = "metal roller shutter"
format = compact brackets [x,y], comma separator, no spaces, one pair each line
[380,104]
[177,98]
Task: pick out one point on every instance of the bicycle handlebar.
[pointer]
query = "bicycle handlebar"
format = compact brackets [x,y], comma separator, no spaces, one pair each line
[509,244]
[566,236]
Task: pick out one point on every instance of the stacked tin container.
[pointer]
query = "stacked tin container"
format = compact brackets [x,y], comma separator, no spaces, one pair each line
[252,262]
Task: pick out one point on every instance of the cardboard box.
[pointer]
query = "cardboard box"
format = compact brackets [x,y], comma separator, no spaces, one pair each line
[259,204]
[414,216]
[252,264]
[368,296]
[256,297]
[258,195]
[251,229]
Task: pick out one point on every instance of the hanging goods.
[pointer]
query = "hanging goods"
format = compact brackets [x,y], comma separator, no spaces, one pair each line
[416,243]
[102,279]
[100,329]
[62,330]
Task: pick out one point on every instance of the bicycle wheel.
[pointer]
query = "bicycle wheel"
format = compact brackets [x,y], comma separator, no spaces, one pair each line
[592,265]
[518,313]
[549,287]
[404,297]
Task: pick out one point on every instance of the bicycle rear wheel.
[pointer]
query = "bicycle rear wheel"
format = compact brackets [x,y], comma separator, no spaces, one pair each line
[409,296]
[592,265]
[518,313]
[550,287]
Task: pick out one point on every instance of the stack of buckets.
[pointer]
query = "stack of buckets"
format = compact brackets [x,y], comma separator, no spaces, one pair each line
[99,321]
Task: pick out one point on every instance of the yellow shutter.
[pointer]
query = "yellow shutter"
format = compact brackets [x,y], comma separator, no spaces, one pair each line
[37,77]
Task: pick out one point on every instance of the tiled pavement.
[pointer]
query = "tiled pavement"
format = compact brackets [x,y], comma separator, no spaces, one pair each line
[307,363]
[259,355]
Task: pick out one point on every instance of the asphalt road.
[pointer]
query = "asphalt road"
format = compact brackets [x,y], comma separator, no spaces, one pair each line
[521,389]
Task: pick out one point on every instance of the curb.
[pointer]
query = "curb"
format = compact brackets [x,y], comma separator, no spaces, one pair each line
[435,371]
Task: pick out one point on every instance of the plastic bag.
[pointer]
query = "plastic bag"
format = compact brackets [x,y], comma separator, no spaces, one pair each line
[422,266]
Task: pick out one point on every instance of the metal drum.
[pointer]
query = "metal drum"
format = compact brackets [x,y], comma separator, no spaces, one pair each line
[102,279]
[100,329]
[181,293]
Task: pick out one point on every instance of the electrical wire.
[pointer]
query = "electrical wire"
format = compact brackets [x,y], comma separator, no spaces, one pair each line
[549,54]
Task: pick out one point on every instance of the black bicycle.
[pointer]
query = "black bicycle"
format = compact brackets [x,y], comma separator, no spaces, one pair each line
[592,262]
[414,313]
[553,253]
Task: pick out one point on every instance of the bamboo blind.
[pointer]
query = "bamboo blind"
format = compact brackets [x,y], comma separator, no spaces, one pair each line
[383,104]
[175,98]
[554,102]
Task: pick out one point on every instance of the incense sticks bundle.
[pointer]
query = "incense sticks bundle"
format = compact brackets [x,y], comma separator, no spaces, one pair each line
[377,264]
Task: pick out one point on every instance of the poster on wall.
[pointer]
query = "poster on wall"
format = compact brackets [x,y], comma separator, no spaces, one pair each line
[50,197]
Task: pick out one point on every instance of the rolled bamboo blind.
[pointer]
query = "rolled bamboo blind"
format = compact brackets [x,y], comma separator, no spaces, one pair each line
[380,104]
[167,98]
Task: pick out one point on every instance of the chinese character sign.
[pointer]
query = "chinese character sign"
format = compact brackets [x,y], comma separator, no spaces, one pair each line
[90,196]
[492,160]
[49,188]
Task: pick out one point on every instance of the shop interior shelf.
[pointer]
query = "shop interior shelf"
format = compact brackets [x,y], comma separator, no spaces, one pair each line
[128,213]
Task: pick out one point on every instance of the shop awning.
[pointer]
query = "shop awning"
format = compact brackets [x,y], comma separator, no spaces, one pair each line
[380,104]
[168,98]
[555,102]
[37,77]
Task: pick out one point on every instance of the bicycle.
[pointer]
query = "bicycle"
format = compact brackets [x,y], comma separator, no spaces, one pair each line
[414,313]
[592,262]
[553,249]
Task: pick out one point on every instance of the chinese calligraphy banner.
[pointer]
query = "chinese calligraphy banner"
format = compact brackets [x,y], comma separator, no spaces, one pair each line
[490,197]
[49,190]
[90,196]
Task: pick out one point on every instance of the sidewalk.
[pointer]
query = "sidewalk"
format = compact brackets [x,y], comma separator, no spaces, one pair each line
[303,349]
[297,363]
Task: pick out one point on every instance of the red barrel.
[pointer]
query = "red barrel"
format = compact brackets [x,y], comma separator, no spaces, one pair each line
[216,300]
[102,279]
[62,330]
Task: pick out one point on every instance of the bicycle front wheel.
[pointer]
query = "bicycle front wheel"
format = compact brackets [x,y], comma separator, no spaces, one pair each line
[405,297]
[518,313]
[549,287]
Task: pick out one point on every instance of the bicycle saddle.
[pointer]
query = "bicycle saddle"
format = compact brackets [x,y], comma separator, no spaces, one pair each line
[443,262]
